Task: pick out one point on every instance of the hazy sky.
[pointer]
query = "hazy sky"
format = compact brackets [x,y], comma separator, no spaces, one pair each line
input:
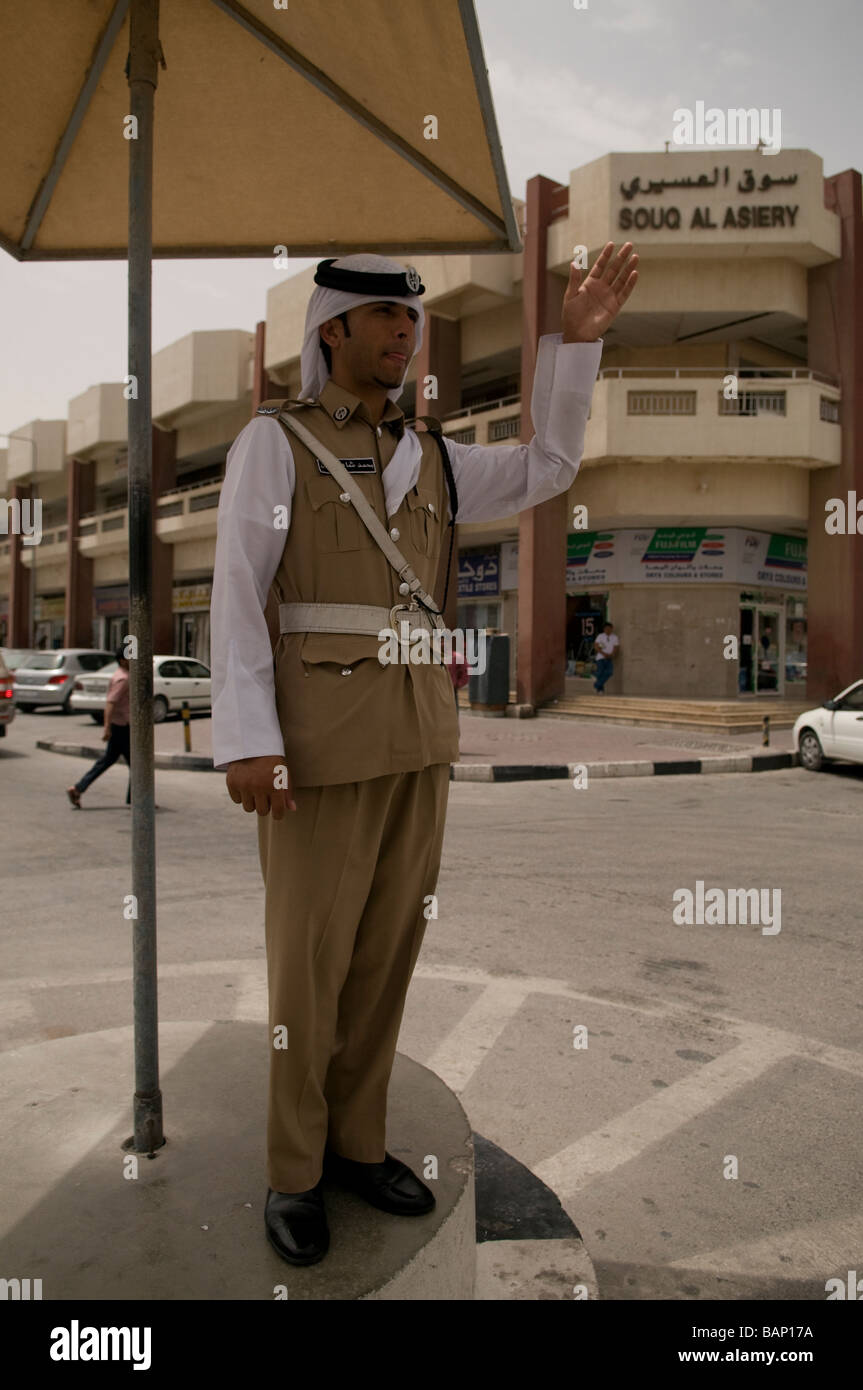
[568,85]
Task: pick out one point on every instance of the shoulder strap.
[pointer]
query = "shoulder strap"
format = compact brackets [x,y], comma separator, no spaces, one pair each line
[278,404]
[338,471]
[435,428]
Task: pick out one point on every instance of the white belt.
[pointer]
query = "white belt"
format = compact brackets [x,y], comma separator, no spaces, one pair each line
[361,618]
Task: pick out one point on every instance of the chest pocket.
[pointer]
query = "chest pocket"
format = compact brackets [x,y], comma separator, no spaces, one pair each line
[337,526]
[425,521]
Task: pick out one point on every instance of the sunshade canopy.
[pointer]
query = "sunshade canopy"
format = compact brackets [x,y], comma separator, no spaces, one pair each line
[304,127]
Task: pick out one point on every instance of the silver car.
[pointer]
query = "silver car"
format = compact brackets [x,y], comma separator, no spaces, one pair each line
[13,657]
[177,680]
[47,678]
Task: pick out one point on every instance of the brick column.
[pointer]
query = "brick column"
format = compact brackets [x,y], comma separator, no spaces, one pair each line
[835,608]
[440,357]
[20,579]
[81,495]
[164,477]
[262,387]
[542,530]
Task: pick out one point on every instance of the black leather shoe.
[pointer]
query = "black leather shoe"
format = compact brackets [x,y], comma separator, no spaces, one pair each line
[296,1224]
[390,1186]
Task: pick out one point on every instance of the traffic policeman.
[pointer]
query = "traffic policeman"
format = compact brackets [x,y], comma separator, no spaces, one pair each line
[346,760]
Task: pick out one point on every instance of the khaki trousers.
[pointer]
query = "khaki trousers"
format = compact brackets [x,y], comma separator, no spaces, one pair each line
[346,876]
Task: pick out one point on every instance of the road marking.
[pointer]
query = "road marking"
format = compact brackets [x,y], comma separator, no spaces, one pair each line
[467,1044]
[822,1250]
[629,1134]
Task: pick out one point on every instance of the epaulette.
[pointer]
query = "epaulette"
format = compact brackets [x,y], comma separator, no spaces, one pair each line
[276,405]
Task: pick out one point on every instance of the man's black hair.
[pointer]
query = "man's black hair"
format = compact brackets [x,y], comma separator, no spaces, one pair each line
[325,349]
[607,624]
[120,655]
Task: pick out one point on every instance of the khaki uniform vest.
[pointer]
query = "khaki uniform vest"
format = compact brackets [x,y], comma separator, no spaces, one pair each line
[343,716]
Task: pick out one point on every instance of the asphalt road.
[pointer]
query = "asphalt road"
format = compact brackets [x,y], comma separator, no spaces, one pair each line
[706,1044]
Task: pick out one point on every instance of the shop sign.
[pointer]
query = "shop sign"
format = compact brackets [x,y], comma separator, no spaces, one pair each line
[478,573]
[112,601]
[590,559]
[685,554]
[45,609]
[190,598]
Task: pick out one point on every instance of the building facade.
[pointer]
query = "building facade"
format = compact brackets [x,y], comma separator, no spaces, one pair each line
[725,418]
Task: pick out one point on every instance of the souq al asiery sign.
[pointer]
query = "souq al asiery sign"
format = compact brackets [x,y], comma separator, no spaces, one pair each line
[687,554]
[727,216]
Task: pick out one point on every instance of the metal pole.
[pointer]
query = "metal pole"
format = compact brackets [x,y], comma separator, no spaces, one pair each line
[142,68]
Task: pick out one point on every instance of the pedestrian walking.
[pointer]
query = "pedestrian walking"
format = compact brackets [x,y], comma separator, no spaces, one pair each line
[115,733]
[607,644]
[331,521]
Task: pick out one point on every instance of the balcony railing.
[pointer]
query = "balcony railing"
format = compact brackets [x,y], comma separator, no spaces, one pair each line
[753,403]
[665,411]
[661,402]
[510,428]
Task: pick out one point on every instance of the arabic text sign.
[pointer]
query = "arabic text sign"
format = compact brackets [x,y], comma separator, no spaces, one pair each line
[690,554]
[478,573]
[738,217]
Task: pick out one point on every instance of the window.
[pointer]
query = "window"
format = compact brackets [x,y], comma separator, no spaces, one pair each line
[171,670]
[45,661]
[829,410]
[95,661]
[196,670]
[467,436]
[854,698]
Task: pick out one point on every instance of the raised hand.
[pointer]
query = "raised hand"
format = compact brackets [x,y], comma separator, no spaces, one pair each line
[591,306]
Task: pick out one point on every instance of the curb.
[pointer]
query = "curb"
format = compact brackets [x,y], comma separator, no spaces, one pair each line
[533,772]
[192,762]
[513,772]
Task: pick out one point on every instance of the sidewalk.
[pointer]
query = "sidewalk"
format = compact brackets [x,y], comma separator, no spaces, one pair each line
[508,749]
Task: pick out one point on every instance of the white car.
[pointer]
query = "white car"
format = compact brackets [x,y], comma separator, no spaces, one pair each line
[834,730]
[177,680]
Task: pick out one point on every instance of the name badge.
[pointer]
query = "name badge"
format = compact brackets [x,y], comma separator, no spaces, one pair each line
[352,466]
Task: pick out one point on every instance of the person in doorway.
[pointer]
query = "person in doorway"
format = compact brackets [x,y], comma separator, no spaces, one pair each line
[607,644]
[345,760]
[115,733]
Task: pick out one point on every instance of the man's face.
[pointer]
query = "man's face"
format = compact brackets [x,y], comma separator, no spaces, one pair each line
[380,346]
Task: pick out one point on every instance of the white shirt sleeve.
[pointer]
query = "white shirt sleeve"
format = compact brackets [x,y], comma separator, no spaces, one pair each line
[259,478]
[495,481]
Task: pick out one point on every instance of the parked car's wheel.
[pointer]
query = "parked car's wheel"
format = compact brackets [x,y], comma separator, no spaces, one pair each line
[97,718]
[160,709]
[811,752]
[26,709]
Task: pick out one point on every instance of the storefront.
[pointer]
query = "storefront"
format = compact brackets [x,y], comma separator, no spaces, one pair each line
[191,607]
[111,616]
[702,612]
[49,621]
[479,591]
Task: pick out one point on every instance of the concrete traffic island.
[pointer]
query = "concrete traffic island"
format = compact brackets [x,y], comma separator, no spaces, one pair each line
[190,1225]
